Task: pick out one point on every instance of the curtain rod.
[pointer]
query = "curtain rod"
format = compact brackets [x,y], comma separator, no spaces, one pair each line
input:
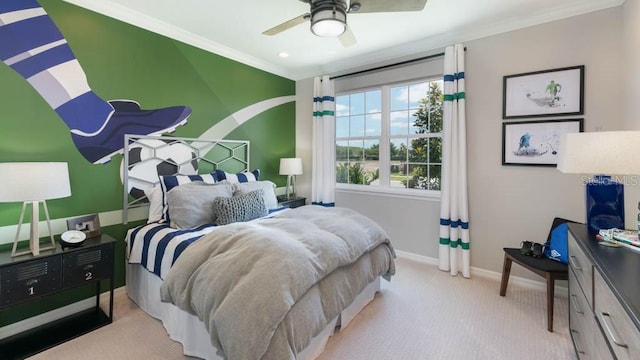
[390,65]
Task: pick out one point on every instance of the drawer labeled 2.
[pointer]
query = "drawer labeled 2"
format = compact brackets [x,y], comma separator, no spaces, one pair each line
[84,266]
[29,279]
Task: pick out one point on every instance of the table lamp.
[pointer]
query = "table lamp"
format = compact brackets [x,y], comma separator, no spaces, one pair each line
[291,167]
[601,152]
[33,183]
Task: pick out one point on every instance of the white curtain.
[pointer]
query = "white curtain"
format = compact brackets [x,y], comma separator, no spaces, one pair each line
[454,208]
[324,145]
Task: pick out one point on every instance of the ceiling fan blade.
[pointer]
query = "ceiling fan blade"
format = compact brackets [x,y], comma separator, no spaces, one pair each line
[371,6]
[347,38]
[287,24]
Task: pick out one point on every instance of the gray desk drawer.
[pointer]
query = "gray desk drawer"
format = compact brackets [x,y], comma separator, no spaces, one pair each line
[619,329]
[582,268]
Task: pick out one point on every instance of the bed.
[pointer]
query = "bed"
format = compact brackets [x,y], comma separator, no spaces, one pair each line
[272,284]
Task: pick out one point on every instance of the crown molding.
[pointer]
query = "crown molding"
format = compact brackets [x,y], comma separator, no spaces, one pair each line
[144,21]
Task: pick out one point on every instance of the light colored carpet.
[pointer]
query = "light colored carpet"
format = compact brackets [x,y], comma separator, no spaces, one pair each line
[422,314]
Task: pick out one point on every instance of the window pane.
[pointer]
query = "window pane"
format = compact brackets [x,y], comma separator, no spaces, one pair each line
[342,126]
[399,98]
[435,150]
[416,93]
[342,150]
[419,150]
[356,126]
[435,106]
[398,150]
[399,122]
[342,173]
[371,173]
[356,150]
[374,101]
[373,125]
[356,106]
[372,150]
[398,174]
[418,121]
[418,177]
[342,105]
[435,175]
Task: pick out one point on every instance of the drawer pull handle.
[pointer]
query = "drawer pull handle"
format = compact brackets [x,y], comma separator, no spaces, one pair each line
[574,302]
[575,337]
[574,263]
[609,327]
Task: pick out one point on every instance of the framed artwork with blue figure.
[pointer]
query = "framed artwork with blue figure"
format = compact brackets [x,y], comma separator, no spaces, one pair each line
[535,143]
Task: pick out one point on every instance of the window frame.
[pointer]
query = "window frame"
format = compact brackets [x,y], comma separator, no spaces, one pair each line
[384,156]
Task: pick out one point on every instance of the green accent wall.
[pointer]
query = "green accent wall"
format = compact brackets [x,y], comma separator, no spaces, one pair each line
[122,61]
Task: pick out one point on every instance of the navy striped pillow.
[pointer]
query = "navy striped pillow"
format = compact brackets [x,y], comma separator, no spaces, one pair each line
[241,177]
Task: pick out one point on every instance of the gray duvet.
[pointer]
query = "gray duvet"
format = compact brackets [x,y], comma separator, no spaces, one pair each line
[264,288]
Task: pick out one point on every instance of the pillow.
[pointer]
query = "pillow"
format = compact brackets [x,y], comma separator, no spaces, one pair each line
[154,195]
[190,205]
[268,188]
[241,177]
[242,207]
[168,182]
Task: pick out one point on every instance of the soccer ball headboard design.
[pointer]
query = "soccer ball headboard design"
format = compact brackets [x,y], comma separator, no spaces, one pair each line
[146,158]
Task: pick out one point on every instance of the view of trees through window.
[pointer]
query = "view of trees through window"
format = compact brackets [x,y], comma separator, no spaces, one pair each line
[395,143]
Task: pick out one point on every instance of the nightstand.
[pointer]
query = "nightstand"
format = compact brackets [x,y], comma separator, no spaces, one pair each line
[32,278]
[293,202]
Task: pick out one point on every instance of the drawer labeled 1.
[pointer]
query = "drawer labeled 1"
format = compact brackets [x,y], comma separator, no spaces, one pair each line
[30,279]
[83,266]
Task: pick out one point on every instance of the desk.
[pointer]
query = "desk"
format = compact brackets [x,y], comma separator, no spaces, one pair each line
[32,278]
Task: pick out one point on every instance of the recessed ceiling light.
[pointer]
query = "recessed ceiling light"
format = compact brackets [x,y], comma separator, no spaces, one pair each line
[283,54]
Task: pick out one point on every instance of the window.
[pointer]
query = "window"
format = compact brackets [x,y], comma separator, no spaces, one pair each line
[390,137]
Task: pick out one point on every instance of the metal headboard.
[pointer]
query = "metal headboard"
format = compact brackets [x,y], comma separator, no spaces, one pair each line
[147,157]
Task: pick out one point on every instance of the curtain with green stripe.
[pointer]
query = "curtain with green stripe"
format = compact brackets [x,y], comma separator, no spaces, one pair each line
[323,184]
[454,209]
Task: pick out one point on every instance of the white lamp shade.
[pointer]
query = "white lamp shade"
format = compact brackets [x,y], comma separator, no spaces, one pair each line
[33,181]
[290,166]
[601,152]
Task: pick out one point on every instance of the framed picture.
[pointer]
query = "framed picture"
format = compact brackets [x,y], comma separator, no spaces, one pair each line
[535,142]
[90,225]
[544,93]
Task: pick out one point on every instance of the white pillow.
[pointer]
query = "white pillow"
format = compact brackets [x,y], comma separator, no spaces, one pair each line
[268,188]
[154,194]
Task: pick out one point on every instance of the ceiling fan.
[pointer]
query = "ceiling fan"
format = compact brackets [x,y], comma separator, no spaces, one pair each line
[329,17]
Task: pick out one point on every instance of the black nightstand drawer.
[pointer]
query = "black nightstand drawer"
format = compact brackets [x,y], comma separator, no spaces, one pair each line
[29,279]
[292,202]
[87,265]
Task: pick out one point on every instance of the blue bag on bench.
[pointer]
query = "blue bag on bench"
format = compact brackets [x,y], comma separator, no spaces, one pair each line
[556,247]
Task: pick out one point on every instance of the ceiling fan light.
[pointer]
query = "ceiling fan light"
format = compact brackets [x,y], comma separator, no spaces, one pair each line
[329,21]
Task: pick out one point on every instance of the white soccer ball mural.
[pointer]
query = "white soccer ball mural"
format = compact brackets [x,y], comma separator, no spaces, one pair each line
[150,158]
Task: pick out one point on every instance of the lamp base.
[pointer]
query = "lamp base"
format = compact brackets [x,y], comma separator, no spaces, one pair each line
[34,239]
[604,204]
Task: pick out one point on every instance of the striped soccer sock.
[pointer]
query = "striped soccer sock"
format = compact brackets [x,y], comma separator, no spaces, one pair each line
[35,48]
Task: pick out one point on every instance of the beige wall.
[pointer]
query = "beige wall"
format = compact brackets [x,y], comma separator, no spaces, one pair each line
[631,17]
[509,204]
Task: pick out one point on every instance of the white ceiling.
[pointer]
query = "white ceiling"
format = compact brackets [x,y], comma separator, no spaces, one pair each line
[234,28]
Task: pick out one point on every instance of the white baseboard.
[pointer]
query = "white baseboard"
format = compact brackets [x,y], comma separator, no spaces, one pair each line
[55,314]
[560,291]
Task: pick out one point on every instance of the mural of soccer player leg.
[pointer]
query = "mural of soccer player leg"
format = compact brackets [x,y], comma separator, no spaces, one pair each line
[32,45]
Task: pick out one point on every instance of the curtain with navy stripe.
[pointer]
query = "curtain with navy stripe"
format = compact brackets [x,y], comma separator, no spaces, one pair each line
[454,209]
[323,183]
